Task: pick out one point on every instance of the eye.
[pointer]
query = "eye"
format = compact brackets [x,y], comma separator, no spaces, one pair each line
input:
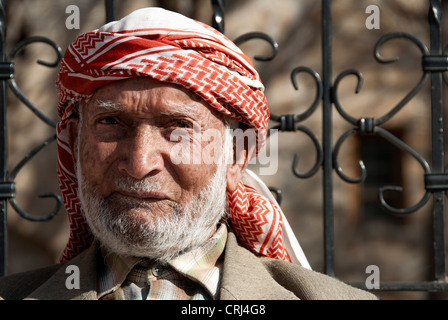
[108,121]
[185,124]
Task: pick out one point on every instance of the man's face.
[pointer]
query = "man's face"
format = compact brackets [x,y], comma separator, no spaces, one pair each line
[124,153]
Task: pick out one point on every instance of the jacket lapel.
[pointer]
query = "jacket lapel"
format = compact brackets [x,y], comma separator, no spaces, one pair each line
[245,277]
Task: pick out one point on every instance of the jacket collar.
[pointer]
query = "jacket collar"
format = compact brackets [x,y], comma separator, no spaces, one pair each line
[242,273]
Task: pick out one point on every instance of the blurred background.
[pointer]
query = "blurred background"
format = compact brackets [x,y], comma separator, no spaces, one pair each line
[364,234]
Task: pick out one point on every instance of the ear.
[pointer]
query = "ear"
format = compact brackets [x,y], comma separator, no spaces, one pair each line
[72,135]
[236,168]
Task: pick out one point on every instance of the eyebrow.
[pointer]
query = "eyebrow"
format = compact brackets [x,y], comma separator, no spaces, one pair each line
[179,111]
[109,105]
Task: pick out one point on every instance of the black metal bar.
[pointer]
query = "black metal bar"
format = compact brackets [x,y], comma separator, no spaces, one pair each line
[436,182]
[110,10]
[327,139]
[3,143]
[218,15]
[435,63]
[435,18]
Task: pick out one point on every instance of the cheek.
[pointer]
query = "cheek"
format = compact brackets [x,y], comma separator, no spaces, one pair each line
[96,160]
[209,150]
[194,177]
[204,157]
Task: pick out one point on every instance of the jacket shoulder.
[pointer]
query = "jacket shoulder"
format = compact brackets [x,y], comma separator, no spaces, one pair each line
[312,285]
[252,277]
[19,285]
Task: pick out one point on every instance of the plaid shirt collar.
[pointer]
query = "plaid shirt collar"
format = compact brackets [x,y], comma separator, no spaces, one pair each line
[202,265]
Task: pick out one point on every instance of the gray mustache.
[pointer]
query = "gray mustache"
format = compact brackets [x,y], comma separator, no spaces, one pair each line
[130,184]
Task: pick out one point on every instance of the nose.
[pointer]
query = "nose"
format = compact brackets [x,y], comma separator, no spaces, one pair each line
[141,155]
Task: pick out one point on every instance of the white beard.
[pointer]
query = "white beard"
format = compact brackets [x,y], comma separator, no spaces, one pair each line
[163,237]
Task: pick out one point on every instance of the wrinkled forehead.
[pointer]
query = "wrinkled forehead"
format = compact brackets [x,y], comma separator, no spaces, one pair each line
[150,97]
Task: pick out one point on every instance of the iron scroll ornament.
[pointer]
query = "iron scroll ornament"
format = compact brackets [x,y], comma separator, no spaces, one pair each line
[262,36]
[286,122]
[290,122]
[15,89]
[370,126]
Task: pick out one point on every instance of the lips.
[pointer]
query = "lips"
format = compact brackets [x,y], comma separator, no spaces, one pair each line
[144,195]
[136,190]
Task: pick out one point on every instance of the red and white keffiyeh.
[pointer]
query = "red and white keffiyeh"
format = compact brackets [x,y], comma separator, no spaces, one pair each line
[169,47]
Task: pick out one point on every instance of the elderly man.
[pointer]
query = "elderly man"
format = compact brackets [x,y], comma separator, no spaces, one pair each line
[159,207]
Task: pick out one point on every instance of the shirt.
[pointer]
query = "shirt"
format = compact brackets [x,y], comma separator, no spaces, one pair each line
[194,275]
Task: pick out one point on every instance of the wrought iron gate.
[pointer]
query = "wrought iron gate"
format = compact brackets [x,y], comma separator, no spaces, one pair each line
[434,67]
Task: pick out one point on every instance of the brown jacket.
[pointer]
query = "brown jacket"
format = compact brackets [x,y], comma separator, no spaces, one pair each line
[245,276]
